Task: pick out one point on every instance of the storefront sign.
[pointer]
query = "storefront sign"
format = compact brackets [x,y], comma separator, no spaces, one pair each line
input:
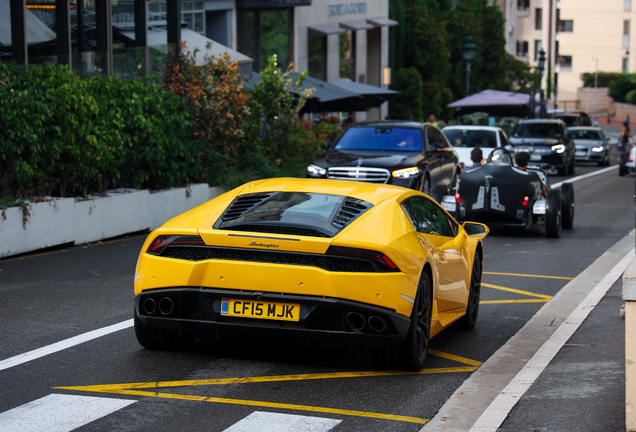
[350,8]
[260,4]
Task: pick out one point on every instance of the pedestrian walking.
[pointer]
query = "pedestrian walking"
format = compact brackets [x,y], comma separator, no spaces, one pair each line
[621,146]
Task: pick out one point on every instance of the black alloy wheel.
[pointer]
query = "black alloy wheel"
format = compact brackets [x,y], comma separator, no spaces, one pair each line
[553,214]
[155,339]
[472,307]
[414,348]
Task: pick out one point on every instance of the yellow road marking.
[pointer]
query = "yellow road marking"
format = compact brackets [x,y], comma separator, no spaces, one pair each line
[527,275]
[129,389]
[541,296]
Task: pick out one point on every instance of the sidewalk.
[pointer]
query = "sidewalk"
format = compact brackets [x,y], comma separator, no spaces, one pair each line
[547,379]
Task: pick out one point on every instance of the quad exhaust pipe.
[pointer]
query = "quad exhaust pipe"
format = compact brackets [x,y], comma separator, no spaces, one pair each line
[360,323]
[165,306]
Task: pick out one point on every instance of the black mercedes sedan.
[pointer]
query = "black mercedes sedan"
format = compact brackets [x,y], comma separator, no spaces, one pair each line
[403,153]
[547,140]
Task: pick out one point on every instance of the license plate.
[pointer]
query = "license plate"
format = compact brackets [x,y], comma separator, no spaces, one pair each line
[535,157]
[580,153]
[450,207]
[260,309]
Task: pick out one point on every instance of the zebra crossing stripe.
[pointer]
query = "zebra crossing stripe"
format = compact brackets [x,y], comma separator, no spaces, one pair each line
[59,413]
[276,422]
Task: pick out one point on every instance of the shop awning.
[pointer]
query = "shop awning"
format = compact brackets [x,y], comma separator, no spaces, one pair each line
[356,25]
[382,22]
[325,30]
[494,102]
[195,40]
[374,96]
[37,31]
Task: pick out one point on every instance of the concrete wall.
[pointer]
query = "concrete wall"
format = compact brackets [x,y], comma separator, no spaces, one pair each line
[595,100]
[64,221]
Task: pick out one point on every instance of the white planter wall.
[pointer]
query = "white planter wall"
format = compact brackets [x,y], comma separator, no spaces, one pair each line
[66,221]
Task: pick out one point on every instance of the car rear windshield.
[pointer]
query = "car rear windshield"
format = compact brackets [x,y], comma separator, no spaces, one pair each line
[471,138]
[293,213]
[569,120]
[586,134]
[537,130]
[381,138]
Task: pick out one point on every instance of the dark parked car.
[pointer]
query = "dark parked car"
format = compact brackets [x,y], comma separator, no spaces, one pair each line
[547,140]
[591,144]
[575,118]
[403,153]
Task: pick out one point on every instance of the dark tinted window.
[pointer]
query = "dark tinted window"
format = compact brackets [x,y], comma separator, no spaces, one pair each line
[586,134]
[380,138]
[428,218]
[537,130]
[471,138]
[570,120]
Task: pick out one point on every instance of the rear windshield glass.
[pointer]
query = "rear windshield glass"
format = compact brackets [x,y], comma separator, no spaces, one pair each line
[380,139]
[537,130]
[293,213]
[569,120]
[471,138]
[586,134]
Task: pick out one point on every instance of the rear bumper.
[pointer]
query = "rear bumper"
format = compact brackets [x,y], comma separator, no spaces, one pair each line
[196,314]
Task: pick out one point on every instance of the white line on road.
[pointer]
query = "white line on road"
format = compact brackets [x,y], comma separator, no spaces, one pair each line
[275,422]
[497,412]
[59,413]
[62,345]
[584,176]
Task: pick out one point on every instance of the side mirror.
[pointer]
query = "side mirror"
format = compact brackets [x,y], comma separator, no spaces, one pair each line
[476,230]
[438,147]
[509,147]
[325,145]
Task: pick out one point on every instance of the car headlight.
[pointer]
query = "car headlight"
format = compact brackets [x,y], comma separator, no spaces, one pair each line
[597,149]
[406,173]
[315,170]
[559,148]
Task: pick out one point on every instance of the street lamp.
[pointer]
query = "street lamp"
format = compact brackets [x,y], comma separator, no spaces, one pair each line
[469,54]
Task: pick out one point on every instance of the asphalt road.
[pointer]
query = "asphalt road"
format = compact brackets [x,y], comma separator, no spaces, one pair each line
[60,294]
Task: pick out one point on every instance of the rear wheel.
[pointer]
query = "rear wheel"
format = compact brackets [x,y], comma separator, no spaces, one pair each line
[411,353]
[426,185]
[553,214]
[572,166]
[152,338]
[472,307]
[567,205]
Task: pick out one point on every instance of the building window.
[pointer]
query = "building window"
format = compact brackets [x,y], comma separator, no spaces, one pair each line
[192,12]
[565,63]
[523,4]
[626,28]
[625,65]
[522,48]
[348,55]
[264,32]
[317,57]
[566,26]
[538,19]
[627,5]
[538,45]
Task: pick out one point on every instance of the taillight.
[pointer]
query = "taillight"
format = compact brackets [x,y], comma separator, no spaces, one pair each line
[382,262]
[458,199]
[525,201]
[159,243]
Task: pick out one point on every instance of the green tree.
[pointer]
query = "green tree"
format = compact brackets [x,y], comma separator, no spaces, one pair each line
[408,82]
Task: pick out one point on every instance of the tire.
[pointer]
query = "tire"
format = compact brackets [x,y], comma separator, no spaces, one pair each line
[426,185]
[573,166]
[438,192]
[472,307]
[567,206]
[553,214]
[411,353]
[562,171]
[155,339]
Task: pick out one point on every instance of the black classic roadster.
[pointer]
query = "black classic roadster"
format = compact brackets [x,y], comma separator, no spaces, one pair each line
[500,194]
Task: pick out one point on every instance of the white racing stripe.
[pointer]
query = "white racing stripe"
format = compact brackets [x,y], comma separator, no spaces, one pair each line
[497,412]
[59,413]
[275,422]
[62,345]
[584,176]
